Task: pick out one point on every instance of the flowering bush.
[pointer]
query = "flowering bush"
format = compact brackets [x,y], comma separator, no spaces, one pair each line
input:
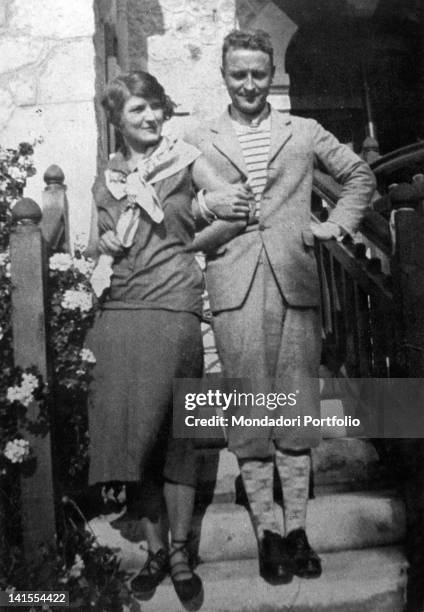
[17,389]
[16,166]
[78,564]
[20,389]
[75,563]
[71,312]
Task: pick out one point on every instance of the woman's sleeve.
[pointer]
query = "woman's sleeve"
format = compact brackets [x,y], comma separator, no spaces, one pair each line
[107,208]
[105,221]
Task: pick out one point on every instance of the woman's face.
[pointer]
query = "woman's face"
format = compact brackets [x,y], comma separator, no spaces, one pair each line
[141,122]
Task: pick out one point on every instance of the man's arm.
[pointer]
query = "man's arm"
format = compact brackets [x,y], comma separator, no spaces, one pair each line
[357,180]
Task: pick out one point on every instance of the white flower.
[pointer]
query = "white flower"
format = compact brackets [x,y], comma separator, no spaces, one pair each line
[17,394]
[23,393]
[17,450]
[4,258]
[87,355]
[84,265]
[17,174]
[78,566]
[77,299]
[60,261]
[5,262]
[24,161]
[29,382]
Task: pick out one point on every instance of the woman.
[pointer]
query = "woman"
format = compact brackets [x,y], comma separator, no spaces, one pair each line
[148,332]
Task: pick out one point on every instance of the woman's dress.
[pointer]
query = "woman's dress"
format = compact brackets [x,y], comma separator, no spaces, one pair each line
[147,334]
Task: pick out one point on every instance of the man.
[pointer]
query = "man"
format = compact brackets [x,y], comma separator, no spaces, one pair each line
[263,284]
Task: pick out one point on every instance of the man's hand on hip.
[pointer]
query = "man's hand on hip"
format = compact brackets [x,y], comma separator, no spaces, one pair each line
[326,230]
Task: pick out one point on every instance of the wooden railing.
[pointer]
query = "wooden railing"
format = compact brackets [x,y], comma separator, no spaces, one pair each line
[373,290]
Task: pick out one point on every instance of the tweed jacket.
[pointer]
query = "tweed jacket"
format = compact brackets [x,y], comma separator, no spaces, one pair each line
[297,146]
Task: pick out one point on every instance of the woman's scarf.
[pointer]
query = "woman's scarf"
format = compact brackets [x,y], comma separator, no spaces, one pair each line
[171,156]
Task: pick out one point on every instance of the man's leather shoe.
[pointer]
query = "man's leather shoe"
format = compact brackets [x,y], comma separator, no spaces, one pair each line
[274,562]
[306,563]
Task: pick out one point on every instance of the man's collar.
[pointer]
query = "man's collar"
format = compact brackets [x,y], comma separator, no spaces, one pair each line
[225,122]
[227,142]
[253,123]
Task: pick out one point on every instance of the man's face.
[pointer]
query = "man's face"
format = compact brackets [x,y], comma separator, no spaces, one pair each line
[248,76]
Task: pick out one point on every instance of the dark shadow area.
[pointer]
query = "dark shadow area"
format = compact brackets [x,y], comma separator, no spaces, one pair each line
[334,56]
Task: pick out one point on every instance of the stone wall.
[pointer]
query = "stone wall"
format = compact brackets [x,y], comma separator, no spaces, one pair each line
[52,62]
[180,43]
[47,85]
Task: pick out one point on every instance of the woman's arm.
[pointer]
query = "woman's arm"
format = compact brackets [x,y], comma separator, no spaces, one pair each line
[103,238]
[223,199]
[227,208]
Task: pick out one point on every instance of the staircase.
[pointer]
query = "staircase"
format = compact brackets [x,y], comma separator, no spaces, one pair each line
[354,522]
[373,327]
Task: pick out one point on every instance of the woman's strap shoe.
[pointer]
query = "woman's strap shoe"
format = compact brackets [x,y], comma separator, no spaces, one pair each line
[187,589]
[152,573]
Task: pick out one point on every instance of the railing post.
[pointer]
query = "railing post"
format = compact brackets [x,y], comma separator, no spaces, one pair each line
[28,270]
[370,150]
[409,283]
[55,222]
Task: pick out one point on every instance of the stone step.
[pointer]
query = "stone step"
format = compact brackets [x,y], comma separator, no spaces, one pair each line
[354,581]
[336,522]
[341,464]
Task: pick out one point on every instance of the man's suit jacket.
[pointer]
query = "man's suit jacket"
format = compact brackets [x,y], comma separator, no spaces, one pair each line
[297,145]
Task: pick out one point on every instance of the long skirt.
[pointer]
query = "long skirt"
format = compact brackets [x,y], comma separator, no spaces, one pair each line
[138,354]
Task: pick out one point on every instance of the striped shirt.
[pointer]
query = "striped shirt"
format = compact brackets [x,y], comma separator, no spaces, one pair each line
[255,142]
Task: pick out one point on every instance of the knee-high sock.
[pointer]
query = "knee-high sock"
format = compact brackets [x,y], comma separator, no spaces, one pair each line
[294,471]
[258,480]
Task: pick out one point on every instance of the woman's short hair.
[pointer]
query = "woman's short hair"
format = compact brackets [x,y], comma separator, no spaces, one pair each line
[257,40]
[134,83]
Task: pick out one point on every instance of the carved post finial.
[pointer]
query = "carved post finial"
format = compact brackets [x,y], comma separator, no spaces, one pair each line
[26,211]
[54,176]
[370,149]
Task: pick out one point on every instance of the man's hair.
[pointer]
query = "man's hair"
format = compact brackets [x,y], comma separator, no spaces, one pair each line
[257,40]
[135,83]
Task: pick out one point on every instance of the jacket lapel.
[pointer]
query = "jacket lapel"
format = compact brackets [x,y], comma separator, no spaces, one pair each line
[281,131]
[226,141]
